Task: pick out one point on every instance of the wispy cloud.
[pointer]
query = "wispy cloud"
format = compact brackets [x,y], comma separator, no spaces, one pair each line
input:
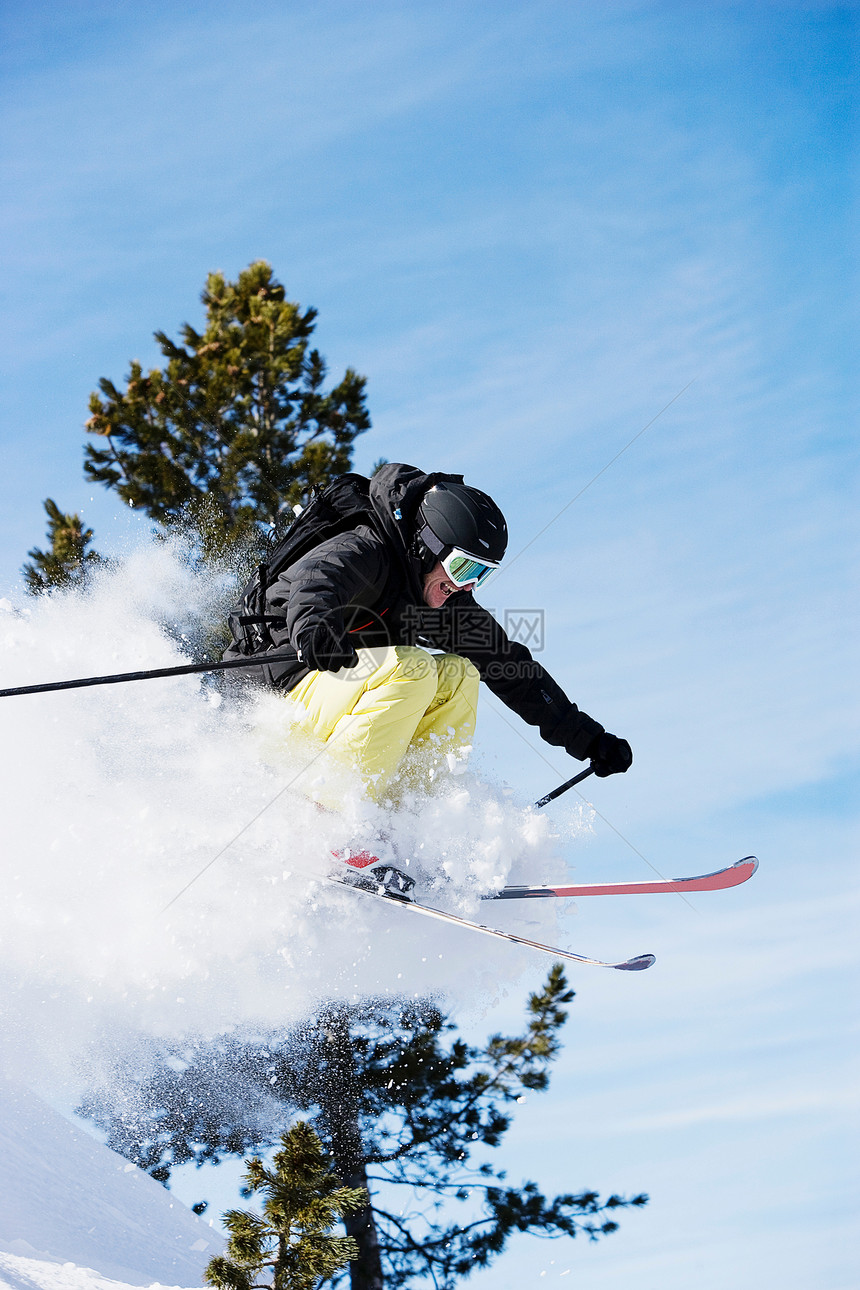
[800,1104]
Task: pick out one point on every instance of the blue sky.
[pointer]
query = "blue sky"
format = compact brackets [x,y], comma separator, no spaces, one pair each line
[531,226]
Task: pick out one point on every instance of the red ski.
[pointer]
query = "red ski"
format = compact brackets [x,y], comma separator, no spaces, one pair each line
[732,876]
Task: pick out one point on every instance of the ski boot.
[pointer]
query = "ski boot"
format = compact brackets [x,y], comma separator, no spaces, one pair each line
[370,873]
[385,880]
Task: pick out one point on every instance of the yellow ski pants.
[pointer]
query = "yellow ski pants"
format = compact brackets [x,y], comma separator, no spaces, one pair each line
[397,697]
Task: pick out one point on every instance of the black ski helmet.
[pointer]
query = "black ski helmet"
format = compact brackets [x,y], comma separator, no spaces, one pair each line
[456,515]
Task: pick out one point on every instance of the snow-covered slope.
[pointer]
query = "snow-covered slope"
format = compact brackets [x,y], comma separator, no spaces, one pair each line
[38,1274]
[67,1200]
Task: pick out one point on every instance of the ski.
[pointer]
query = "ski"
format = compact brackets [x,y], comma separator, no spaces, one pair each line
[721,879]
[637,964]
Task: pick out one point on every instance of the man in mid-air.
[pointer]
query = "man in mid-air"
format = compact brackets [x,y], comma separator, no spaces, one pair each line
[359,614]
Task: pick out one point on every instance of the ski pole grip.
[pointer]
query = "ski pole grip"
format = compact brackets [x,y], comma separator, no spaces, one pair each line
[562,788]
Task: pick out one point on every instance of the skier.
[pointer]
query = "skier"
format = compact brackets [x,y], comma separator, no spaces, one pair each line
[356,613]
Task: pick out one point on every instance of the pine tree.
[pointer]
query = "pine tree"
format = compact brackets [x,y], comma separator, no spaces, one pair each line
[401,1102]
[69,559]
[290,1242]
[236,426]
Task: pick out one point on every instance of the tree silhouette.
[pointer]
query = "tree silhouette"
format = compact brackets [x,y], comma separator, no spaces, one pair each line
[403,1104]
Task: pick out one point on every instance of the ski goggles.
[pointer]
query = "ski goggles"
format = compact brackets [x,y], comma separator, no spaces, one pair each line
[463,569]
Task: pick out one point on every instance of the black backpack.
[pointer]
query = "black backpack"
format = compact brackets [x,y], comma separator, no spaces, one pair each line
[338,507]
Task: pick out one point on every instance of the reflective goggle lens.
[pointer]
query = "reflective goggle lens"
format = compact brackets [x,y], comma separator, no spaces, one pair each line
[463,569]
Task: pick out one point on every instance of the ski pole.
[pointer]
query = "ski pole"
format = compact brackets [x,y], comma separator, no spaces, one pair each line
[562,788]
[153,673]
[189,669]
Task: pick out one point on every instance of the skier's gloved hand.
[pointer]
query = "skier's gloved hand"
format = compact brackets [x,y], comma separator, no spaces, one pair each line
[610,755]
[320,648]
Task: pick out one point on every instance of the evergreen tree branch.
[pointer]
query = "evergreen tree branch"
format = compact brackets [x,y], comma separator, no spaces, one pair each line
[401,1101]
[69,560]
[236,423]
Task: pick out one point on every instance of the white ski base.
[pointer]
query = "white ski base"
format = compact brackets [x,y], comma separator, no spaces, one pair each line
[637,964]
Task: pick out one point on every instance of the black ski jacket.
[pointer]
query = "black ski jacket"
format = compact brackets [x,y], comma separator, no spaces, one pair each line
[368,588]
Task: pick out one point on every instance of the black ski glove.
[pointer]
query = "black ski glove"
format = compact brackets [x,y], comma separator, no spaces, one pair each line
[321,649]
[609,755]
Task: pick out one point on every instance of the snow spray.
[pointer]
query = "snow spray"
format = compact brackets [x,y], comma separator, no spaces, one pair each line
[164,872]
